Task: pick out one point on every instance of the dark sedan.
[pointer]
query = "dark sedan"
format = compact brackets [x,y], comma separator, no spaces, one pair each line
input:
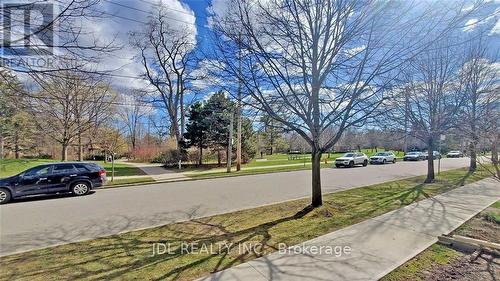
[77,178]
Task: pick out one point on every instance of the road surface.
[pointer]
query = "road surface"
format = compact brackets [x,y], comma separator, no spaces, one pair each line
[38,223]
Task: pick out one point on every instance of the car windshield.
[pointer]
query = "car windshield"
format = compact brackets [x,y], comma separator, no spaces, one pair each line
[412,153]
[382,154]
[453,151]
[349,155]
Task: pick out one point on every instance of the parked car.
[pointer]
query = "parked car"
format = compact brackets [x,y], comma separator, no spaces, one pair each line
[383,157]
[435,154]
[77,178]
[414,156]
[454,154]
[352,158]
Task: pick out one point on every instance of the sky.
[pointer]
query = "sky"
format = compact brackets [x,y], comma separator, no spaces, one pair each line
[124,16]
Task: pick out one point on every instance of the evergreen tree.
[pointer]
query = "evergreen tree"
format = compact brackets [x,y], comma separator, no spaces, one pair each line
[196,128]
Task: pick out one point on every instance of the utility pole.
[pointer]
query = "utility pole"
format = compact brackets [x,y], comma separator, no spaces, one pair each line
[405,145]
[230,143]
[238,144]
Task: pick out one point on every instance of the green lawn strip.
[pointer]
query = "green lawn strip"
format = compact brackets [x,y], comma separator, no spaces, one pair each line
[128,256]
[111,184]
[121,169]
[437,254]
[10,167]
[243,172]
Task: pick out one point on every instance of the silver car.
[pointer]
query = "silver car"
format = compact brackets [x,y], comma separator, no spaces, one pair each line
[351,159]
[455,154]
[383,157]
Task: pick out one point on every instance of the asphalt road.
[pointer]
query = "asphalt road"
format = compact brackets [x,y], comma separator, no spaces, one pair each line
[38,223]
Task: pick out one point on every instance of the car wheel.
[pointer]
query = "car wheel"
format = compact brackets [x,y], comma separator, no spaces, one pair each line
[383,161]
[80,188]
[338,166]
[394,161]
[365,163]
[4,195]
[351,164]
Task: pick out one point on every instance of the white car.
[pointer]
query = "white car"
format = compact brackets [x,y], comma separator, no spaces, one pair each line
[383,157]
[454,154]
[352,158]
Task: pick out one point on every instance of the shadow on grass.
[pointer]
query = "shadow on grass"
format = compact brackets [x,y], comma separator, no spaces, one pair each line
[138,251]
[130,255]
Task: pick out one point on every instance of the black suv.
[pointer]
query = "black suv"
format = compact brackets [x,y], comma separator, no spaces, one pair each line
[78,178]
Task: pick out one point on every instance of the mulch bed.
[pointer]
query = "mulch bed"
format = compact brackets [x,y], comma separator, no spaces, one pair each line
[477,266]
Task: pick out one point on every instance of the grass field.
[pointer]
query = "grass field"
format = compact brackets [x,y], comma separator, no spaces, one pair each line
[116,182]
[10,167]
[128,256]
[271,163]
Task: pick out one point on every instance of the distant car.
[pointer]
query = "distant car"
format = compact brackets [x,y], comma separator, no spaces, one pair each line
[435,155]
[454,154]
[77,178]
[414,156]
[351,159]
[383,157]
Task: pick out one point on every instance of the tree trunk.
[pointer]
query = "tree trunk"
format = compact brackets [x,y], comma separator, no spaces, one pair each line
[473,156]
[494,159]
[1,147]
[200,160]
[80,147]
[16,145]
[218,158]
[64,152]
[317,199]
[430,163]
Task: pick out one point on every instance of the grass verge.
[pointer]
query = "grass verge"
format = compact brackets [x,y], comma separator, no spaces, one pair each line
[128,256]
[434,259]
[116,182]
[10,167]
[245,172]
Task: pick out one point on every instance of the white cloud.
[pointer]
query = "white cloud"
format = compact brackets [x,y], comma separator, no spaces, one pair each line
[470,25]
[114,25]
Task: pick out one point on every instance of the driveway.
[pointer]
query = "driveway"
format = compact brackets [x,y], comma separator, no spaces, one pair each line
[31,224]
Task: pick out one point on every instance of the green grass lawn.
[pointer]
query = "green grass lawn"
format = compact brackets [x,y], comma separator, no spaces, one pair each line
[272,164]
[111,184]
[10,167]
[128,256]
[221,173]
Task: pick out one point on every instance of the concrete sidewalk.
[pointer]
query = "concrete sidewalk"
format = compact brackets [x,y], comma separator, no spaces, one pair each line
[378,245]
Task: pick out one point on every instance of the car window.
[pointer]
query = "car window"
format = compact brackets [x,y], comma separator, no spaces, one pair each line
[349,155]
[81,168]
[38,171]
[63,168]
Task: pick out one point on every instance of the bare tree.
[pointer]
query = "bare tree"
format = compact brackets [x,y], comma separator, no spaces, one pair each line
[322,65]
[167,57]
[430,100]
[132,114]
[478,80]
[65,108]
